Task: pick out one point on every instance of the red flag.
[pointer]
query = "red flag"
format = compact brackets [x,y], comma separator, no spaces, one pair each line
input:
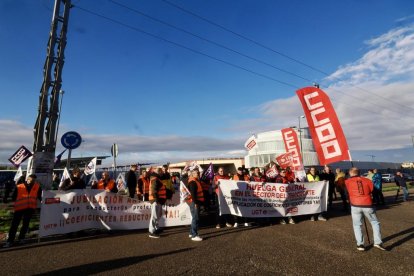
[285,160]
[292,146]
[327,135]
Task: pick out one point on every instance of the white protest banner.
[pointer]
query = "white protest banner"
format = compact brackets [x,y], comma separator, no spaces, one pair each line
[64,212]
[91,167]
[255,199]
[250,143]
[18,174]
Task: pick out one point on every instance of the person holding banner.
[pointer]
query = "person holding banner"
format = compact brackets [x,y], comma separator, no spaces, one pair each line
[131,179]
[328,176]
[313,177]
[282,178]
[157,197]
[143,186]
[74,182]
[25,196]
[105,183]
[165,178]
[216,183]
[240,176]
[197,199]
[257,176]
[359,191]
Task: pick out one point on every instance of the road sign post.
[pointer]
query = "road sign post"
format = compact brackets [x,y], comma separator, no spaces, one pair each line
[114,152]
[70,140]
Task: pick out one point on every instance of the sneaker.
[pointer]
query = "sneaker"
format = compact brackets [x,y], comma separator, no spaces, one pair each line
[228,224]
[247,224]
[360,248]
[291,221]
[236,225]
[154,236]
[380,247]
[312,218]
[190,236]
[282,221]
[197,238]
[7,245]
[218,226]
[321,218]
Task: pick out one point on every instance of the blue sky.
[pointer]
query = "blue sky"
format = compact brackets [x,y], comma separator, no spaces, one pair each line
[164,102]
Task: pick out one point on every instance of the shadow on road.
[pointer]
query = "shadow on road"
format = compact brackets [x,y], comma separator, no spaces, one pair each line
[107,265]
[409,231]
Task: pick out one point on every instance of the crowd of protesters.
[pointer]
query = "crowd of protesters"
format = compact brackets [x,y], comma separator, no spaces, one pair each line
[157,185]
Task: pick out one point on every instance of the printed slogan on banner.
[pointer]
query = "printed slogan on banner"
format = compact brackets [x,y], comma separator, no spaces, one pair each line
[65,212]
[255,199]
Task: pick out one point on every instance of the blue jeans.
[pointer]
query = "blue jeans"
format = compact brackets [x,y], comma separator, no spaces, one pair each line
[194,221]
[405,193]
[357,214]
[156,214]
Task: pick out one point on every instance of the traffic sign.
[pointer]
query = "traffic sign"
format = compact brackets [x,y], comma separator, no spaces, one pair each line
[114,150]
[71,140]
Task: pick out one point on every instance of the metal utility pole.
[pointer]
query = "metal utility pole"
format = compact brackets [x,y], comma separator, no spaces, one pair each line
[45,133]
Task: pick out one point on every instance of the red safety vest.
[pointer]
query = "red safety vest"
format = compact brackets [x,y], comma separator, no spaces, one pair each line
[26,200]
[162,193]
[200,195]
[359,191]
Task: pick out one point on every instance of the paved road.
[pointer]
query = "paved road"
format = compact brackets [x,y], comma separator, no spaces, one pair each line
[307,248]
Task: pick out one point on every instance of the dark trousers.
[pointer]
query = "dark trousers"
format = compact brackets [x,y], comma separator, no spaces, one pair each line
[195,211]
[207,200]
[132,190]
[378,196]
[17,217]
[331,194]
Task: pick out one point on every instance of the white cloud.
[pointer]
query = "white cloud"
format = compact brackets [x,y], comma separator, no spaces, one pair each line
[373,96]
[131,148]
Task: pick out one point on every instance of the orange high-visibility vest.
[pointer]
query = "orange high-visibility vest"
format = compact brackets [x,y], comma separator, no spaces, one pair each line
[245,177]
[109,186]
[146,185]
[162,193]
[26,200]
[200,195]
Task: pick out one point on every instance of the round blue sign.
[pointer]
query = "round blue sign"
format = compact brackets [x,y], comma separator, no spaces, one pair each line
[71,140]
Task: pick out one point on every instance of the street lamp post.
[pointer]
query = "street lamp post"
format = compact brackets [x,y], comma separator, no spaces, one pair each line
[300,133]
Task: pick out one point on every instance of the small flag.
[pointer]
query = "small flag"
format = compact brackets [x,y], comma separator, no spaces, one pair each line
[20,156]
[59,157]
[91,167]
[65,176]
[120,182]
[184,193]
[92,180]
[208,174]
[19,173]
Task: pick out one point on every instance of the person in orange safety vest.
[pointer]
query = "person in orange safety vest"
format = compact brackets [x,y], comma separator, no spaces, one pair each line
[25,195]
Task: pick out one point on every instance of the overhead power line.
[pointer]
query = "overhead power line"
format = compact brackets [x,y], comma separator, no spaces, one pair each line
[185,47]
[204,54]
[237,52]
[279,53]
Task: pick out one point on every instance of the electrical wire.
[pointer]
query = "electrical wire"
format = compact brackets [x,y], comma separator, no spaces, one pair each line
[207,55]
[279,53]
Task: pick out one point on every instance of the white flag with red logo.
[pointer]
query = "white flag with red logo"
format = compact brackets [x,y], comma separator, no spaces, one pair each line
[285,160]
[272,172]
[290,138]
[327,135]
[250,143]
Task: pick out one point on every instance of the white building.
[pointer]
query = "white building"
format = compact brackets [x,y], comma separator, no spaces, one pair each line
[270,145]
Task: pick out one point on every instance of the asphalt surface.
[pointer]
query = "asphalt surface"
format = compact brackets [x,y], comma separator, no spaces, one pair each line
[307,248]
